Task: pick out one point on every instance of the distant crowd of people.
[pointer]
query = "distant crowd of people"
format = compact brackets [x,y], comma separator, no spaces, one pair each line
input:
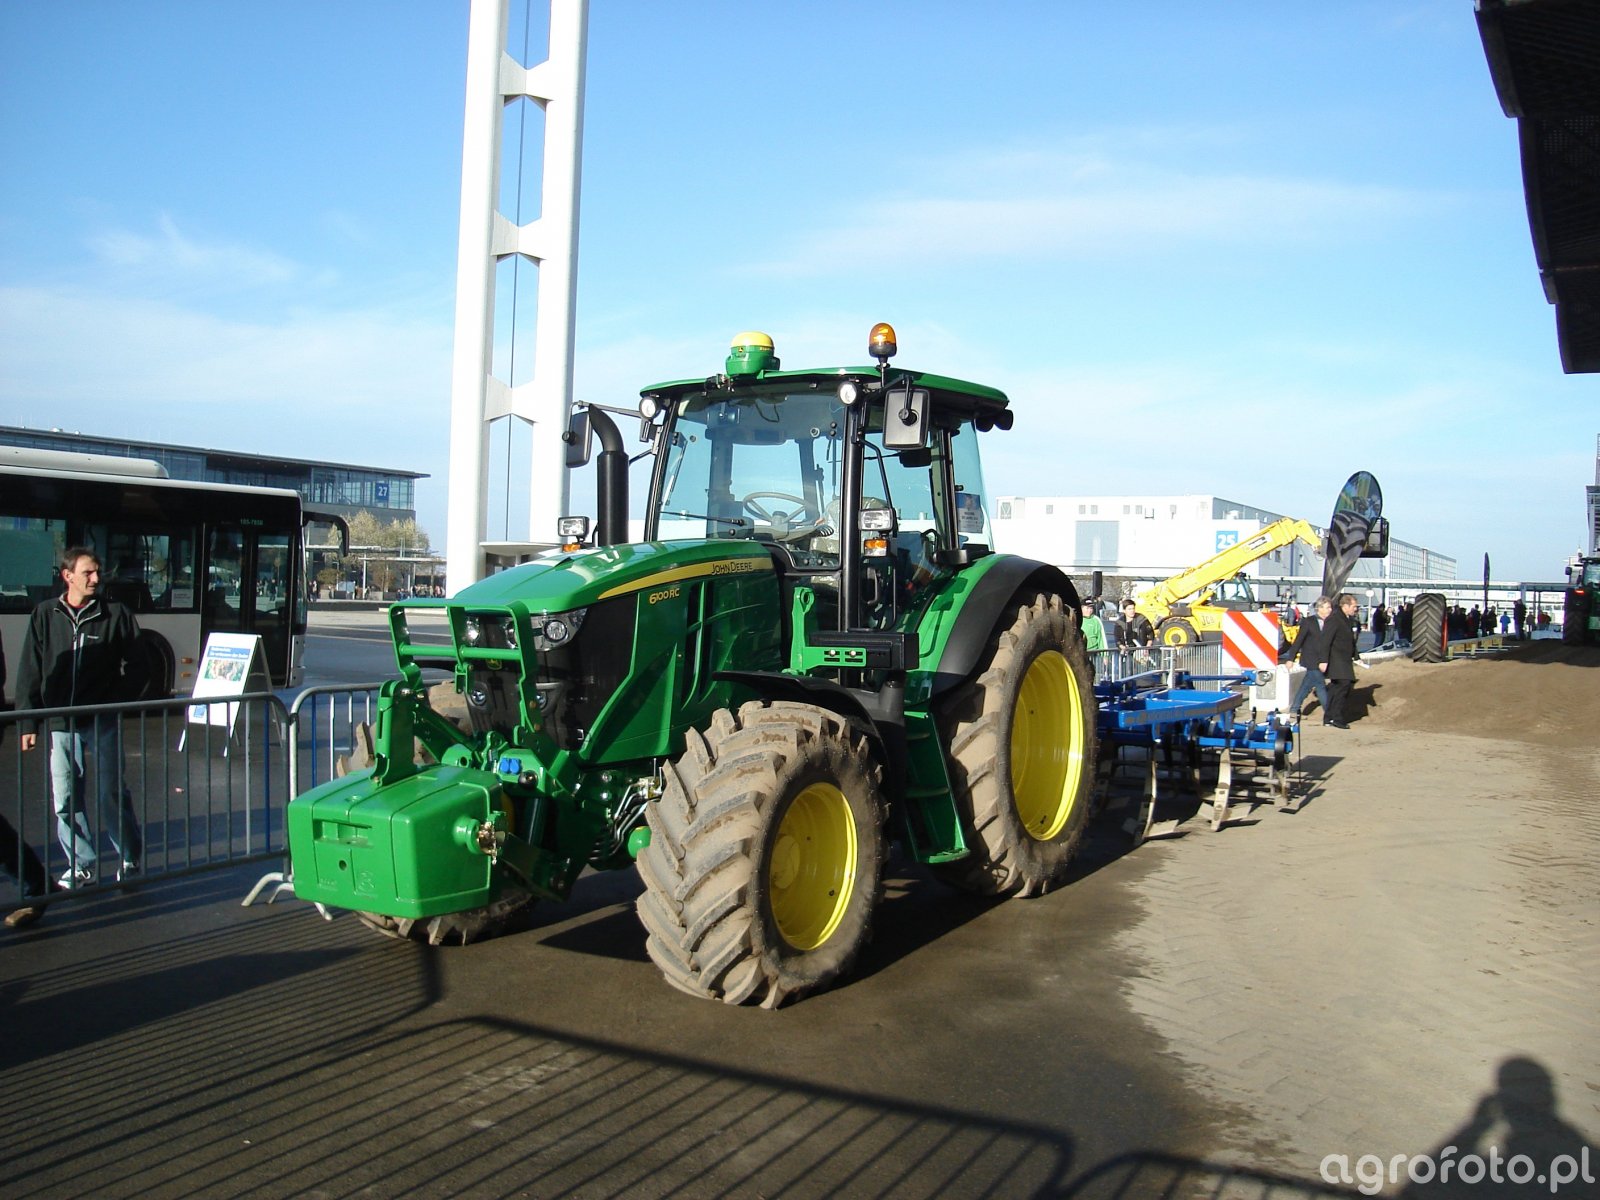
[420,592]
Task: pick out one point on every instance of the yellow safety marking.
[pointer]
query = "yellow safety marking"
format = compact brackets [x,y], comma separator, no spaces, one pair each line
[721,566]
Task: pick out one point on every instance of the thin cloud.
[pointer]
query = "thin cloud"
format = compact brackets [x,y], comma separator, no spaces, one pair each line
[168,254]
[1028,206]
[348,382]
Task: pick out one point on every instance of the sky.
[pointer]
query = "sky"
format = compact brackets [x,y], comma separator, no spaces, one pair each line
[1241,249]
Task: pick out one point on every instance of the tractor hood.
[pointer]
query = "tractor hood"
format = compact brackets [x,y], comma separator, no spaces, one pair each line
[557,582]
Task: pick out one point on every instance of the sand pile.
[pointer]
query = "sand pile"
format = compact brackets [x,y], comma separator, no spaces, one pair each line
[1542,692]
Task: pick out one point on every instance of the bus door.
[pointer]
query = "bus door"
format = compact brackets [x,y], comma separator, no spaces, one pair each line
[274,572]
[251,588]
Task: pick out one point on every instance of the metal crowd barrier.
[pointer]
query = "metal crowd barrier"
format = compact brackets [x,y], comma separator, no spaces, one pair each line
[208,795]
[1198,658]
[204,793]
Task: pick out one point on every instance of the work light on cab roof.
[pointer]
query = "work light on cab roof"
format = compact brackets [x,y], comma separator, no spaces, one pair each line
[882,343]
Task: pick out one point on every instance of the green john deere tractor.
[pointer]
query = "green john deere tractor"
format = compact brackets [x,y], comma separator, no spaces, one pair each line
[1580,625]
[814,650]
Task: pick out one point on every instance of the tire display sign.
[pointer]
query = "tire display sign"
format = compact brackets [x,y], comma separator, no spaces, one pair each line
[1355,512]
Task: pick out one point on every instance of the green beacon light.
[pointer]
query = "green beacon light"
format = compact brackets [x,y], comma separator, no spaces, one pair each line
[750,354]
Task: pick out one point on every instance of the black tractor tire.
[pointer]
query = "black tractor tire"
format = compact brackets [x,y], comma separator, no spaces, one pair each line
[1022,740]
[454,929]
[765,862]
[1175,631]
[1428,629]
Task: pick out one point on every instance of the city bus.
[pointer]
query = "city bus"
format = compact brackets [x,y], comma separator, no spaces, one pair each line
[189,559]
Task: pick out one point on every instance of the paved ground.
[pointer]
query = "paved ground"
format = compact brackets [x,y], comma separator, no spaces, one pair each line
[1401,965]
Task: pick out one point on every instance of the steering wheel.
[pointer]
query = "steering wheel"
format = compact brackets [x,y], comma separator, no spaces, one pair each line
[783,523]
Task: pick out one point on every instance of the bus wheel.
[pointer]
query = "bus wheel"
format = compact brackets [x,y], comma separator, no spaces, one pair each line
[156,660]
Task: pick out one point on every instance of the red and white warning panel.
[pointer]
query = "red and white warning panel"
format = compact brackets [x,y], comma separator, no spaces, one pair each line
[1250,640]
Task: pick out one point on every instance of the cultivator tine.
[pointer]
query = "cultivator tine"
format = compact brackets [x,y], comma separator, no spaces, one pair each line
[1287,801]
[1224,789]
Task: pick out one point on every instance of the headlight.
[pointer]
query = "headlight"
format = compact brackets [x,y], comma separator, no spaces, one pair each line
[495,631]
[557,629]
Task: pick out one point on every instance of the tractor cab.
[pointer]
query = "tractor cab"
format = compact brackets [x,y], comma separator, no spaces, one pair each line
[863,483]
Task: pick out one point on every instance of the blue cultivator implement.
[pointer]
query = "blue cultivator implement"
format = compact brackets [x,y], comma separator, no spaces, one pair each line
[1190,725]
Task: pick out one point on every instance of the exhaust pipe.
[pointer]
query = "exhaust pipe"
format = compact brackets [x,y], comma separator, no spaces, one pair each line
[611,488]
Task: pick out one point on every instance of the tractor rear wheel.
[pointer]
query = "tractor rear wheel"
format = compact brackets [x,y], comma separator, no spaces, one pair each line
[453,929]
[1175,631]
[766,855]
[1022,747]
[1428,628]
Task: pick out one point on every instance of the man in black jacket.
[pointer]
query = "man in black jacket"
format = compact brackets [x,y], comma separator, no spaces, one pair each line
[1134,629]
[1311,648]
[1342,660]
[80,649]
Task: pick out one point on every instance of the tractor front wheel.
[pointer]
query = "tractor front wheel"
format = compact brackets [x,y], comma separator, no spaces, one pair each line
[766,854]
[453,929]
[1022,748]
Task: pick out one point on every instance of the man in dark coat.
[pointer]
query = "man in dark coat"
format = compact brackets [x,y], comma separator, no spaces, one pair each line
[1342,660]
[1134,629]
[1311,648]
[81,649]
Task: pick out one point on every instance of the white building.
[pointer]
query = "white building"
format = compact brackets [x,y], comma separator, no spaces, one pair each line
[1146,538]
[1593,498]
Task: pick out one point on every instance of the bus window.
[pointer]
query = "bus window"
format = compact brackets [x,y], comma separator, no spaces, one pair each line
[222,605]
[150,571]
[30,561]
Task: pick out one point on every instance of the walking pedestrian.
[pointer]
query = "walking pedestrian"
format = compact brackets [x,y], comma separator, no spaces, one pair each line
[1310,647]
[1343,658]
[80,649]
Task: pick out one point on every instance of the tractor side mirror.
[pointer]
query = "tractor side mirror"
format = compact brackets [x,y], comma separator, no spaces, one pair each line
[905,418]
[579,438]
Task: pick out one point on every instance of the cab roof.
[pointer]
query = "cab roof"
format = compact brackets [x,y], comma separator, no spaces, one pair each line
[949,395]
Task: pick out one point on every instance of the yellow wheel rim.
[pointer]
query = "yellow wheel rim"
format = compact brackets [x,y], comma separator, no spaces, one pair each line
[1047,739]
[811,873]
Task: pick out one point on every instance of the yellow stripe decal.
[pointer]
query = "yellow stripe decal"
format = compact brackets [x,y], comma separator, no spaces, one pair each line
[721,566]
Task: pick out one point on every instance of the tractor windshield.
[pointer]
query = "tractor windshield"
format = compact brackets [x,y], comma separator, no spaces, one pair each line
[759,464]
